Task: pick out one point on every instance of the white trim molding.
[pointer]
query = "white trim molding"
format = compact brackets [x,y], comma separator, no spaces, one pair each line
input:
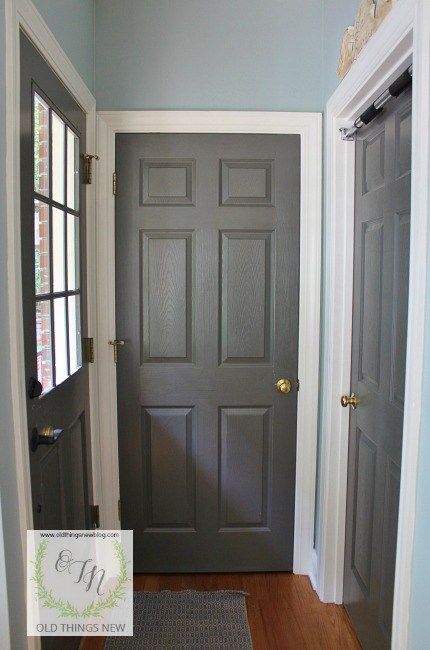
[402,38]
[22,15]
[308,126]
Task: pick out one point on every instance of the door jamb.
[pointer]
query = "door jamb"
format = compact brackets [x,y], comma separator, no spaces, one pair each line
[404,36]
[22,14]
[308,126]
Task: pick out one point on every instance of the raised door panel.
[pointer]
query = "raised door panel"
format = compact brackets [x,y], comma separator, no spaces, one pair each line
[247,182]
[244,465]
[75,474]
[388,556]
[61,493]
[246,297]
[168,450]
[370,301]
[166,296]
[52,505]
[403,141]
[373,162]
[364,499]
[400,306]
[167,182]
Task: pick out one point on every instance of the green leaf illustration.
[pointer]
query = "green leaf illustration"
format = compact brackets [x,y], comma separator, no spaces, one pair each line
[94,609]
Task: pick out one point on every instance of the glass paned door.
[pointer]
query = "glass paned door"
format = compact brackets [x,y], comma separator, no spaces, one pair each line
[53,129]
[56,244]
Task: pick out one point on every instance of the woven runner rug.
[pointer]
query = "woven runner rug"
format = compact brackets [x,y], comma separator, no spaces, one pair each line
[187,620]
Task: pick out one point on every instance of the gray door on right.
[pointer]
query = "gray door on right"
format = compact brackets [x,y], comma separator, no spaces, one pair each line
[380,314]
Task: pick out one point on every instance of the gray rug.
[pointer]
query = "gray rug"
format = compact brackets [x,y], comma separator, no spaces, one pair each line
[187,619]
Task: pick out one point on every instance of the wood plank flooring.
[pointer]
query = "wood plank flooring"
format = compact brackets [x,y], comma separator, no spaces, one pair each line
[284,612]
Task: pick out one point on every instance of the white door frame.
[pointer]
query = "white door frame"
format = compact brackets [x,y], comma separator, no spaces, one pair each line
[308,126]
[403,37]
[22,14]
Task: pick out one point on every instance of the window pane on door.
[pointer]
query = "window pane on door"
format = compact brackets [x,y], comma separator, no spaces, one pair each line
[44,344]
[72,252]
[41,146]
[56,149]
[58,253]
[75,341]
[41,247]
[72,170]
[58,158]
[60,338]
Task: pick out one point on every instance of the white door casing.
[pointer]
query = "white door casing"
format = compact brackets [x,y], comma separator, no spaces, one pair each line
[308,126]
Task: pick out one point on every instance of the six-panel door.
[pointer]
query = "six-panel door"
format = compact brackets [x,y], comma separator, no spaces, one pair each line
[380,315]
[207,283]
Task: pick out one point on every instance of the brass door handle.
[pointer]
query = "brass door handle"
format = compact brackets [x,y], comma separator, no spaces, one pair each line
[349,400]
[115,344]
[283,385]
[47,436]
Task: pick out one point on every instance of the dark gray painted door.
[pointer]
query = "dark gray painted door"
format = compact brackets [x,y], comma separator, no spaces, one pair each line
[54,294]
[207,273]
[381,269]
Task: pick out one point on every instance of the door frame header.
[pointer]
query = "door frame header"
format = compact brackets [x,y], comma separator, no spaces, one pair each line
[403,38]
[309,127]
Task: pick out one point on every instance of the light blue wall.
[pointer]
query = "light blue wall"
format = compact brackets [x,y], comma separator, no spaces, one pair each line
[72,23]
[337,15]
[206,54]
[179,53]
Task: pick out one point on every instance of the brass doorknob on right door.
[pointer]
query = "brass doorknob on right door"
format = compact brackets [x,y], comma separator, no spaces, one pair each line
[349,400]
[283,385]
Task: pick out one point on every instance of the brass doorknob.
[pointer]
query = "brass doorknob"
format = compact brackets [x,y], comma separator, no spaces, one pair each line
[283,385]
[349,400]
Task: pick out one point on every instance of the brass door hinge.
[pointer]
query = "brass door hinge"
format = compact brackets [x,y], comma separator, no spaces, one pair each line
[88,171]
[114,183]
[94,517]
[119,510]
[88,350]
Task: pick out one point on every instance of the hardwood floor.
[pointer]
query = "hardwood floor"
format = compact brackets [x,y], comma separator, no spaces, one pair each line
[284,612]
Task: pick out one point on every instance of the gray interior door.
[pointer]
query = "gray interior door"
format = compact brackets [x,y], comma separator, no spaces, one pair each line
[207,284]
[54,295]
[380,314]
